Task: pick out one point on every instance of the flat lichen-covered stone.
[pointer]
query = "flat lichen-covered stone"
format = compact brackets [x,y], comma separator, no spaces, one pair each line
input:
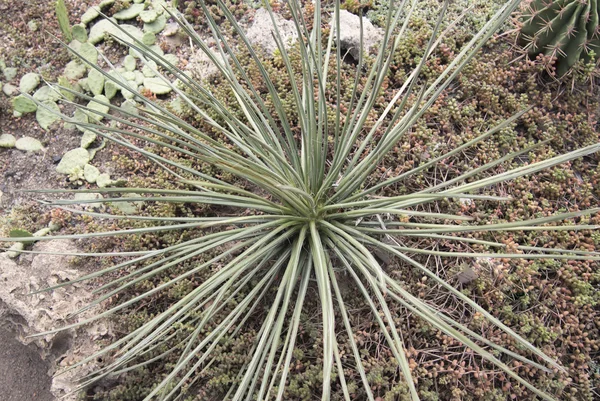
[94,105]
[22,104]
[46,93]
[74,70]
[91,14]
[89,53]
[129,13]
[95,82]
[7,141]
[157,86]
[156,26]
[72,160]
[29,82]
[88,138]
[28,144]
[47,117]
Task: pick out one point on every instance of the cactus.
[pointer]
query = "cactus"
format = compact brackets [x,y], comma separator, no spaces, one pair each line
[567,30]
[63,20]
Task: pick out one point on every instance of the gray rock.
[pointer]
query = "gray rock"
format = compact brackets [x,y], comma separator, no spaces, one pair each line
[91,14]
[46,94]
[74,70]
[157,86]
[28,144]
[156,26]
[202,66]
[22,104]
[90,173]
[29,82]
[88,138]
[10,73]
[10,89]
[45,117]
[148,16]
[73,160]
[259,34]
[7,141]
[129,13]
[350,33]
[95,81]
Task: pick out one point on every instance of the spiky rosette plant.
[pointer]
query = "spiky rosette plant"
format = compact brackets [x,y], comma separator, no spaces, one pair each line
[308,215]
[566,30]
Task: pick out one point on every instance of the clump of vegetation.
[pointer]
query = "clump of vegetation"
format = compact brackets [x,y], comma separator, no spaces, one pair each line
[568,31]
[252,245]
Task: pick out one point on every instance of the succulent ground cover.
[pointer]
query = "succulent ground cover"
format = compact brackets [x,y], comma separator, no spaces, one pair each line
[552,303]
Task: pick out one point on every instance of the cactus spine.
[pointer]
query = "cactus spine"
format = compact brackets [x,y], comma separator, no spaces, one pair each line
[565,29]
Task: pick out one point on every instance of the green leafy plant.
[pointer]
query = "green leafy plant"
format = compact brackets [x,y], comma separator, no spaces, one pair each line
[62,15]
[567,30]
[307,215]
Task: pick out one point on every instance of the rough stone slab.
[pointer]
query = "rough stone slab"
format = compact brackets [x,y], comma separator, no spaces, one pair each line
[45,311]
